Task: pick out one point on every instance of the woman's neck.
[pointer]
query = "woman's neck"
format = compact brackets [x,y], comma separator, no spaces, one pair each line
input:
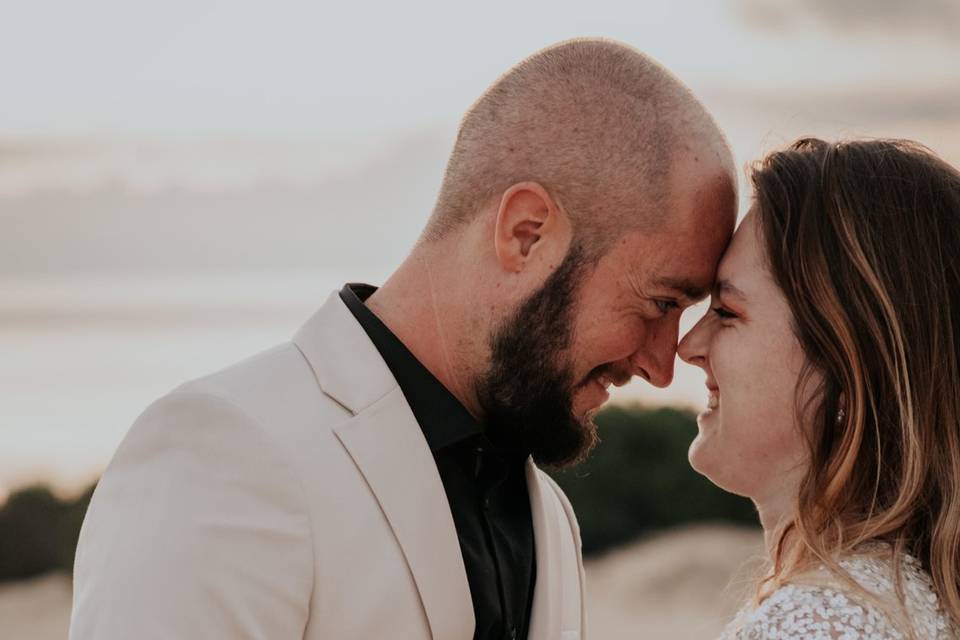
[776,512]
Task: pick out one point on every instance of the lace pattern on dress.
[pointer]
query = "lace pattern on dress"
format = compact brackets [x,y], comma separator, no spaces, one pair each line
[835,611]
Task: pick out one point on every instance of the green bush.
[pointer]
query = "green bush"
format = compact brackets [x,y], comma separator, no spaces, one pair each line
[638,480]
[38,532]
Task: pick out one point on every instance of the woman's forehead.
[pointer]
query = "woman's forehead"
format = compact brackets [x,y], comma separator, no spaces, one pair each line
[743,264]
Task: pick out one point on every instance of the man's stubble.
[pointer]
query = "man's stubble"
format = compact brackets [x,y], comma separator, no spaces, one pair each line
[526,393]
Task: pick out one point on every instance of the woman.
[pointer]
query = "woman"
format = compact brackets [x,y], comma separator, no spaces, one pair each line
[832,354]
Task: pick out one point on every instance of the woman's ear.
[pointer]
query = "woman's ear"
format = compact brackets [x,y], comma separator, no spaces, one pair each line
[529,223]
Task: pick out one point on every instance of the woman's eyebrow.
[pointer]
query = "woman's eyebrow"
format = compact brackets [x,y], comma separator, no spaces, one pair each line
[726,287]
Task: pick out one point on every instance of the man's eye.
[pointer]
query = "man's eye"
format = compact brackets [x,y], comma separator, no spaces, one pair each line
[723,313]
[666,305]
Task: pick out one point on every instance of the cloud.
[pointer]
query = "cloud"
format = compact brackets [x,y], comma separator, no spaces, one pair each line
[939,18]
[878,106]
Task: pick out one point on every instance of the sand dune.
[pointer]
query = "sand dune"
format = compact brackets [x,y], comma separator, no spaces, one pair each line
[680,584]
[683,584]
[37,609]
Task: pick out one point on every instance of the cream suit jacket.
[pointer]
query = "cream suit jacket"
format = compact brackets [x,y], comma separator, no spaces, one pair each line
[290,496]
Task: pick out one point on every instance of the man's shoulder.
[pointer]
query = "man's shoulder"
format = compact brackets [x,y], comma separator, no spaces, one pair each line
[275,390]
[258,377]
[256,416]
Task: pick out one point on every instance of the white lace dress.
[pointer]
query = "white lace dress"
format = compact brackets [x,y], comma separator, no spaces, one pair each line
[836,611]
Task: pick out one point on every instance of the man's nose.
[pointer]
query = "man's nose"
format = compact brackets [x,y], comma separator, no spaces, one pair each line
[654,360]
[661,375]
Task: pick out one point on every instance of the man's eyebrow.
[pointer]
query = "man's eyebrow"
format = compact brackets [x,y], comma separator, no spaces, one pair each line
[727,287]
[692,291]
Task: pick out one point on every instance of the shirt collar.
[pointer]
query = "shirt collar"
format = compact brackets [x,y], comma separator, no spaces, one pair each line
[443,419]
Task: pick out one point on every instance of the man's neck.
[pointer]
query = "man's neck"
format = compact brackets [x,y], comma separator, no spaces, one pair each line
[410,304]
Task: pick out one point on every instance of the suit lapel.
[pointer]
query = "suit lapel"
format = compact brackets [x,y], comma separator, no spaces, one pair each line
[347,366]
[389,448]
[386,443]
[545,614]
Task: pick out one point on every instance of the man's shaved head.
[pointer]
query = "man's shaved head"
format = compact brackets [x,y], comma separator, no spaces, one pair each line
[596,123]
[586,203]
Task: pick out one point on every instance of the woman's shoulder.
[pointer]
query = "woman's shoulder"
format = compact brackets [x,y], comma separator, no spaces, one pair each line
[824,606]
[802,611]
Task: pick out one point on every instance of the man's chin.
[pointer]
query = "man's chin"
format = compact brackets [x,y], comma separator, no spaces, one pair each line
[571,447]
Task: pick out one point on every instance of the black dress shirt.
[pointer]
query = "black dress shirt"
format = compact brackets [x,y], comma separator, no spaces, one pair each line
[486,489]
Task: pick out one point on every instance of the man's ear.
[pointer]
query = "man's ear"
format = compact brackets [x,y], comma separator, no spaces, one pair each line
[529,223]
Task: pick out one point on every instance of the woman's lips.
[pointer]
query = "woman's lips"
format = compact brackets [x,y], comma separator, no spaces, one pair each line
[713,399]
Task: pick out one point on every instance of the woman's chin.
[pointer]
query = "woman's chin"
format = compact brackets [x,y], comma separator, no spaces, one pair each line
[704,456]
[707,425]
[698,455]
[714,467]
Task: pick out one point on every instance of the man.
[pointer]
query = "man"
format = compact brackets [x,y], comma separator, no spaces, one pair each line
[376,477]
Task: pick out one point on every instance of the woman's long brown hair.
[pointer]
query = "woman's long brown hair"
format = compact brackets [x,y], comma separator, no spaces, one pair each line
[863,237]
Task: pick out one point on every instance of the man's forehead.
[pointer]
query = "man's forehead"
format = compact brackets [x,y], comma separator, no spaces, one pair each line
[704,225]
[689,267]
[681,261]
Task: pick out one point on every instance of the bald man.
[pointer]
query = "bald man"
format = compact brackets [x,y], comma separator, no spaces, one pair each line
[378,476]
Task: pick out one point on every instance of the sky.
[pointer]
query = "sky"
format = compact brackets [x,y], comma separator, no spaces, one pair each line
[182,181]
[207,67]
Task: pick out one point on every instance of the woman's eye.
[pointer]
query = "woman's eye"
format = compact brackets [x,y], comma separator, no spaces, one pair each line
[723,313]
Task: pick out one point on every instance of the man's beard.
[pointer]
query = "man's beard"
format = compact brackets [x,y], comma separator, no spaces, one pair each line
[526,394]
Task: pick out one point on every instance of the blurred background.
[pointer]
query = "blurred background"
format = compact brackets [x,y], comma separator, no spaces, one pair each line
[183,183]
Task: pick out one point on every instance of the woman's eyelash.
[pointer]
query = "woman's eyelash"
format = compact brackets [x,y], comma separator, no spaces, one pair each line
[723,313]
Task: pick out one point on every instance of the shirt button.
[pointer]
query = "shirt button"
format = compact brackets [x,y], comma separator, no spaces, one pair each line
[486,503]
